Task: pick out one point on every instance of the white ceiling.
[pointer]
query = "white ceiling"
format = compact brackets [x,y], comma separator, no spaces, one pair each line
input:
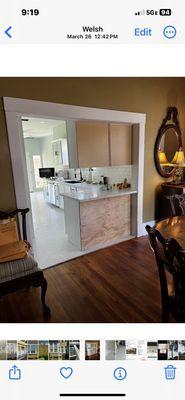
[39,127]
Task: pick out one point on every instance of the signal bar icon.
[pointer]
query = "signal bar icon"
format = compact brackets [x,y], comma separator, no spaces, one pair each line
[141,12]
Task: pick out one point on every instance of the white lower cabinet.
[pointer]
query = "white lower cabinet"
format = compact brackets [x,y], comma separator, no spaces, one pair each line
[46,192]
[51,193]
[61,202]
[57,197]
[62,188]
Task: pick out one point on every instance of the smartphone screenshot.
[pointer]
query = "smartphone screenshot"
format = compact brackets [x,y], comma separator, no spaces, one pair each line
[92,200]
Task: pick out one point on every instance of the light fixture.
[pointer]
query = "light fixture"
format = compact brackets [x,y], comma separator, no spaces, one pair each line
[178,164]
[162,157]
[179,159]
[175,157]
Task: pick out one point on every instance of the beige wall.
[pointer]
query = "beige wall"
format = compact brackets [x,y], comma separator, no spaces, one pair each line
[146,95]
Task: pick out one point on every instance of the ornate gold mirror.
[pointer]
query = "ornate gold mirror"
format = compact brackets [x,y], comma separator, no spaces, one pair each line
[168,144]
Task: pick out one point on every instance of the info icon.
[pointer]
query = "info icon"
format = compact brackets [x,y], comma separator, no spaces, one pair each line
[120,373]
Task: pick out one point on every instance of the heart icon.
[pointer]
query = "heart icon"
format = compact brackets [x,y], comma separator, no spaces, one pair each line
[66,372]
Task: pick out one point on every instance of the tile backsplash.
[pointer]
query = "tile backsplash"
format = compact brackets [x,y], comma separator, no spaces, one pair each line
[114,174]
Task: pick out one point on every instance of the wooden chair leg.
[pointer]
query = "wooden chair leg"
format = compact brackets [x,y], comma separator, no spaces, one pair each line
[44,285]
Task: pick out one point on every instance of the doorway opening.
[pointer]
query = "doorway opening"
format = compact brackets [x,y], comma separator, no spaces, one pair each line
[52,248]
[43,140]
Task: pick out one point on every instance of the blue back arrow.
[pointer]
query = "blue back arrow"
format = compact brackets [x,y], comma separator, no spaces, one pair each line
[7,32]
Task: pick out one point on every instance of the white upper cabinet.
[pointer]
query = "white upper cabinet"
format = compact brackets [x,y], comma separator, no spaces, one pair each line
[65,158]
[60,152]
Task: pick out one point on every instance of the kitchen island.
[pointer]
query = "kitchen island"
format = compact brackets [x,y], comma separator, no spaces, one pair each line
[95,218]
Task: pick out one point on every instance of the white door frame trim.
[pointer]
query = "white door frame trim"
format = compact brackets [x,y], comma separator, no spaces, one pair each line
[15,108]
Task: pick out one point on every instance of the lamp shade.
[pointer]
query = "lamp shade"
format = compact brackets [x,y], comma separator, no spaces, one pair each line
[175,157]
[162,157]
[179,159]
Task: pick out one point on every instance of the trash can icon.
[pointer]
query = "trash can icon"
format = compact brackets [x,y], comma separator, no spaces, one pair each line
[170,372]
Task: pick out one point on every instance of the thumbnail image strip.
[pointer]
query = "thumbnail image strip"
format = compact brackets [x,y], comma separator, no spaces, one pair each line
[92,350]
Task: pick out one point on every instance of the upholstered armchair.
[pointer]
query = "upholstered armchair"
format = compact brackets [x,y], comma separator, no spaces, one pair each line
[25,272]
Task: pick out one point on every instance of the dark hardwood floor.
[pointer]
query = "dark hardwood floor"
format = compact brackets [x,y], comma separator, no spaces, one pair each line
[116,284]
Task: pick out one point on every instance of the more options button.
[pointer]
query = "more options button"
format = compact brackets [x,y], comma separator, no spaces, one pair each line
[169,31]
[142,32]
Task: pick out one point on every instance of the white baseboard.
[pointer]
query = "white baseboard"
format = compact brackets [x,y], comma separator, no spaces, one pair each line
[142,230]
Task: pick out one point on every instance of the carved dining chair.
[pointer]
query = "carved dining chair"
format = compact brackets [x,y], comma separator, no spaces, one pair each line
[170,259]
[23,273]
[177,204]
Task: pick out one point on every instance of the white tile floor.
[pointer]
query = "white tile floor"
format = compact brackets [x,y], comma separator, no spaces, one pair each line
[51,243]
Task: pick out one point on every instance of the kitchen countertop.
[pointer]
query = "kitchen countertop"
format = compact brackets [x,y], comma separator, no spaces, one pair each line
[94,192]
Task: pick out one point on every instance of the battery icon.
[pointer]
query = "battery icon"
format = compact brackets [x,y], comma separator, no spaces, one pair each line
[165,12]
